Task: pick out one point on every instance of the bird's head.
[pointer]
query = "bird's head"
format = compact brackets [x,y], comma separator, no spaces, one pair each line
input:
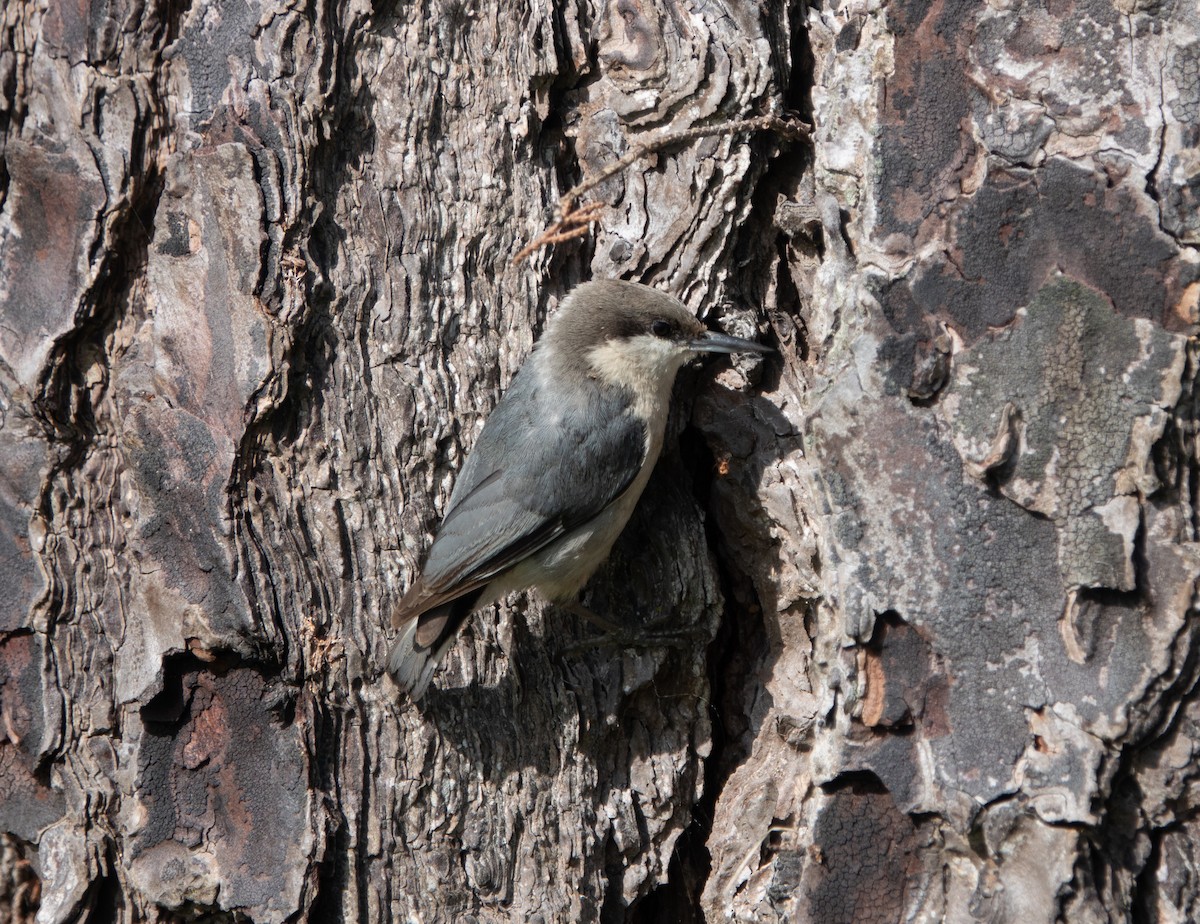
[630,334]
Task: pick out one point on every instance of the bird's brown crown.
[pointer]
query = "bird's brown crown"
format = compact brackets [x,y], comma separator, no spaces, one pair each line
[602,311]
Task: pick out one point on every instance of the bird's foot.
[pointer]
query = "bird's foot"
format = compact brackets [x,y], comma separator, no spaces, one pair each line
[659,633]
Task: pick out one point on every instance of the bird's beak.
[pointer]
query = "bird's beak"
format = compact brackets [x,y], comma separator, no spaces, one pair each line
[722,343]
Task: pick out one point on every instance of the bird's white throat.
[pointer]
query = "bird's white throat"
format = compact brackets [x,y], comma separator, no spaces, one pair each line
[646,365]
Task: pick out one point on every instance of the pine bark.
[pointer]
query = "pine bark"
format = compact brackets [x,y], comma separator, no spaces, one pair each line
[932,566]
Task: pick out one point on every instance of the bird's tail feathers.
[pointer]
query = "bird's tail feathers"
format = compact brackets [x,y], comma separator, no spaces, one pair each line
[413,664]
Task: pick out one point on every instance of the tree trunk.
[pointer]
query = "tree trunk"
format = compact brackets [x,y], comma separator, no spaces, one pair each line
[933,566]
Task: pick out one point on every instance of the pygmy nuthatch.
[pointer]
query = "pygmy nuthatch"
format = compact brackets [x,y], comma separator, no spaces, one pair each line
[558,467]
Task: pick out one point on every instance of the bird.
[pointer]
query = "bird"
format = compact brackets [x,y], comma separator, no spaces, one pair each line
[558,467]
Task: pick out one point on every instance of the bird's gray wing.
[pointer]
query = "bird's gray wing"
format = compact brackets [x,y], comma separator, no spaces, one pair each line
[541,467]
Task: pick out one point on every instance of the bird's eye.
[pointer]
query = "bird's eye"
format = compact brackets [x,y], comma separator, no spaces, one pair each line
[661,328]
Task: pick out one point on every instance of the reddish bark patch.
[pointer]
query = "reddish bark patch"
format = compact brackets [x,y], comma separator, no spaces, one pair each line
[227,778]
[898,672]
[53,206]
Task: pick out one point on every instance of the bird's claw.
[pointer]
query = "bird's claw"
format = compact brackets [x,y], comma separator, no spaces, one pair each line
[649,635]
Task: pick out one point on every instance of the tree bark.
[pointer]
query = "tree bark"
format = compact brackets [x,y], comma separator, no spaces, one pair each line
[933,565]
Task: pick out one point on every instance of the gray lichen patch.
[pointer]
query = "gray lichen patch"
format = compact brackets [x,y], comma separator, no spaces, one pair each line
[867,858]
[1086,392]
[917,528]
[914,535]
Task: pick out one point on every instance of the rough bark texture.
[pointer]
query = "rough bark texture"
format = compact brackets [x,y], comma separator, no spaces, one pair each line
[936,560]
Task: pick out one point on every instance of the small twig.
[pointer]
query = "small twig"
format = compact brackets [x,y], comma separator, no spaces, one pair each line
[576,219]
[789,128]
[574,223]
